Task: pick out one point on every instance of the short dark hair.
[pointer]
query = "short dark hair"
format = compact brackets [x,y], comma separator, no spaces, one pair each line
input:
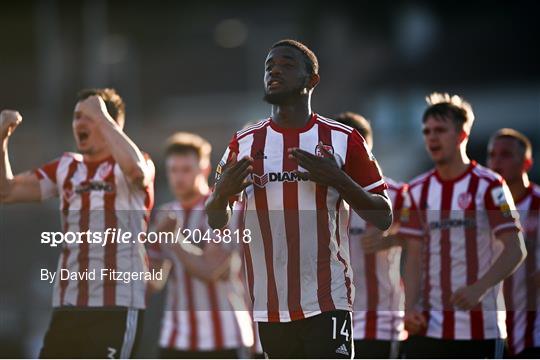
[358,122]
[312,64]
[453,107]
[522,140]
[113,101]
[185,143]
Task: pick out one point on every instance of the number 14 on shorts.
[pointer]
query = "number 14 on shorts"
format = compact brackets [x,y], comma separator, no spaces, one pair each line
[344,330]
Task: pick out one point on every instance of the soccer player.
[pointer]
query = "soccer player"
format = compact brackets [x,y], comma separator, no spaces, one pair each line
[204,286]
[375,259]
[296,171]
[510,154]
[107,184]
[470,238]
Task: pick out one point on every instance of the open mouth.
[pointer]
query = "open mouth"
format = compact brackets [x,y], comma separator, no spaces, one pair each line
[272,84]
[82,135]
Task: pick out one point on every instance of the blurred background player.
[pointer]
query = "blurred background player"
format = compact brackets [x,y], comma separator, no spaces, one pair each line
[107,184]
[303,168]
[463,209]
[510,154]
[204,286]
[375,259]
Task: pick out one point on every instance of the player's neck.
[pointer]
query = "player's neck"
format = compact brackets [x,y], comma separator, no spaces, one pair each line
[454,168]
[292,115]
[519,187]
[96,156]
[189,199]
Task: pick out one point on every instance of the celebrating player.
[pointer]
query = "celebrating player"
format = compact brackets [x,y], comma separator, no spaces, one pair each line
[204,287]
[510,154]
[295,171]
[375,259]
[108,184]
[463,208]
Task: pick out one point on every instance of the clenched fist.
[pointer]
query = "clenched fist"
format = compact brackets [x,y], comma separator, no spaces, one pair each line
[94,107]
[9,120]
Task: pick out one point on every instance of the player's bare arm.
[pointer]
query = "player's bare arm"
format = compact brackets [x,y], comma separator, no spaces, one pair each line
[414,319]
[513,254]
[231,182]
[374,208]
[22,187]
[123,149]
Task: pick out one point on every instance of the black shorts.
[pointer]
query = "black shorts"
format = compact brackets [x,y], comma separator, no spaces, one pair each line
[92,333]
[421,347]
[327,335]
[217,354]
[376,349]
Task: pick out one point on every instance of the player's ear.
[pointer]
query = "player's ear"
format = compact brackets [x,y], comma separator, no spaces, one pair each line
[313,81]
[527,164]
[206,169]
[463,136]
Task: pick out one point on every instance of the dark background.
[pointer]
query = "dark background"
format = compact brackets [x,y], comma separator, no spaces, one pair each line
[198,66]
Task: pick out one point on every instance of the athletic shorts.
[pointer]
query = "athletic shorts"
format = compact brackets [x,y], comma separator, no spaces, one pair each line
[92,333]
[165,353]
[376,349]
[419,347]
[327,335]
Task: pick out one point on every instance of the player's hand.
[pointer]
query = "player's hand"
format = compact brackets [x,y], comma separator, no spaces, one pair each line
[95,108]
[9,120]
[233,178]
[375,240]
[320,169]
[415,322]
[467,297]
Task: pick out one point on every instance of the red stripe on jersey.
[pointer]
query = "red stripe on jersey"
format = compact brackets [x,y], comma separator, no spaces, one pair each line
[174,314]
[67,189]
[261,204]
[446,265]
[340,258]
[477,318]
[372,294]
[216,319]
[192,314]
[292,228]
[84,222]
[532,236]
[109,286]
[324,277]
[422,206]
[510,313]
[248,261]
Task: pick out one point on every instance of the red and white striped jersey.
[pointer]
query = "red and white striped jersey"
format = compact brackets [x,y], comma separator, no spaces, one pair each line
[199,315]
[521,296]
[298,259]
[96,196]
[379,300]
[459,221]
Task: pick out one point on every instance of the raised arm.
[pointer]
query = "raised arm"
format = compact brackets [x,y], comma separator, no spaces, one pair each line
[22,187]
[123,149]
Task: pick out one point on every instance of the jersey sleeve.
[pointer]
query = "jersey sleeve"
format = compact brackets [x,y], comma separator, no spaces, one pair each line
[501,211]
[46,175]
[232,149]
[361,165]
[410,219]
[399,203]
